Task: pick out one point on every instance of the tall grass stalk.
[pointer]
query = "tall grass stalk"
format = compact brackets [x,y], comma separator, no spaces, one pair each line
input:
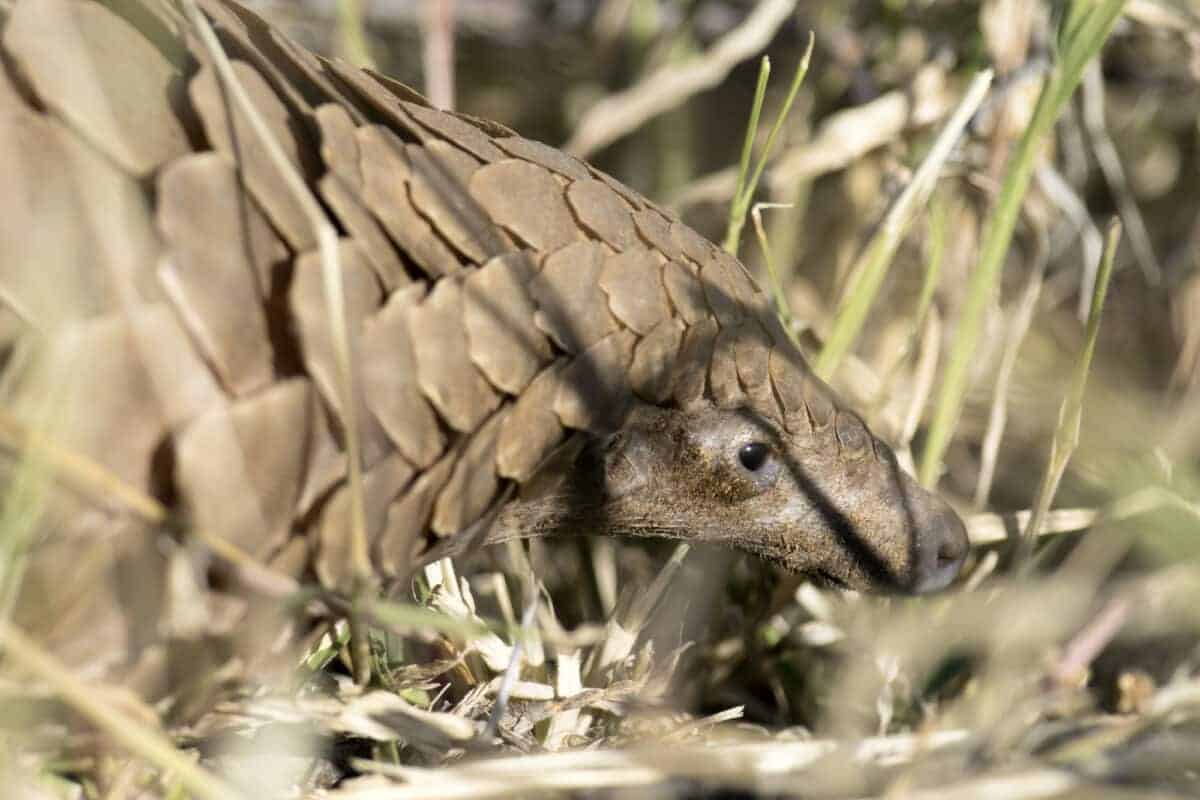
[1083,32]
[1066,433]
[352,33]
[326,237]
[868,273]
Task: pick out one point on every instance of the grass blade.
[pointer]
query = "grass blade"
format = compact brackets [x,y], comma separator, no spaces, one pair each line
[1084,33]
[327,243]
[868,274]
[747,187]
[1066,434]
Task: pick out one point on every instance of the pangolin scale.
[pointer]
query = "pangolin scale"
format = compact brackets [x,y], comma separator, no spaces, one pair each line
[514,314]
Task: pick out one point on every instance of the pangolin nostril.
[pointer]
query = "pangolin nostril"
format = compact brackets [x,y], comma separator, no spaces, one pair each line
[942,548]
[954,544]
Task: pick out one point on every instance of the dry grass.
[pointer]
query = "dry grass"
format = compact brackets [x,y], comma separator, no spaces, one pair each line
[612,669]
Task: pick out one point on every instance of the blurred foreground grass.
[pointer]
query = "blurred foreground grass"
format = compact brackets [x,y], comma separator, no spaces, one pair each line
[627,670]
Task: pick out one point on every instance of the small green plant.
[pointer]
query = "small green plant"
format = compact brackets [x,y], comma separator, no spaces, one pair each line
[747,182]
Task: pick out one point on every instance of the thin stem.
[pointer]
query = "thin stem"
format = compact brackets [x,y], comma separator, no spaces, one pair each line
[1066,434]
[327,244]
[747,188]
[1084,33]
[782,307]
[90,703]
[732,231]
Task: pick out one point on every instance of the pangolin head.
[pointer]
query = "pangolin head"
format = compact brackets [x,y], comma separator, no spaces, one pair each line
[785,472]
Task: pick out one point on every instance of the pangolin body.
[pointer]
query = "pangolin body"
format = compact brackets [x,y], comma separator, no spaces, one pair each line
[513,314]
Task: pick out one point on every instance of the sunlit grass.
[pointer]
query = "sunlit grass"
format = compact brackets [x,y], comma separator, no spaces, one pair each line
[748,176]
[1082,33]
[1066,433]
[868,272]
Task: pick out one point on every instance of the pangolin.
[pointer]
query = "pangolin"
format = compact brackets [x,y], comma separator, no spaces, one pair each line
[535,348]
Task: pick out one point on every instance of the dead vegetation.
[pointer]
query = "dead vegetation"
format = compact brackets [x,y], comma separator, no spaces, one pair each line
[1065,664]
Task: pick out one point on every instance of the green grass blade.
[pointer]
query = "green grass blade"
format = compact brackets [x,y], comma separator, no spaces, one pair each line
[1070,415]
[352,33]
[746,188]
[760,92]
[1081,43]
[868,274]
[782,308]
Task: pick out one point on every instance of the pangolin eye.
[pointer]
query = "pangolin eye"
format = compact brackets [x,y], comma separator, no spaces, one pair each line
[752,456]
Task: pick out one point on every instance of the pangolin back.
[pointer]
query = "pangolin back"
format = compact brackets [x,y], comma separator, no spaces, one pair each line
[502,297]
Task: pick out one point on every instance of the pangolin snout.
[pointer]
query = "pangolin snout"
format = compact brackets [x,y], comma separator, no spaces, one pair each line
[940,545]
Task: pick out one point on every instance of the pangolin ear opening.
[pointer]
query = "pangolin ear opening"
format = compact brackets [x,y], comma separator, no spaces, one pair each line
[628,462]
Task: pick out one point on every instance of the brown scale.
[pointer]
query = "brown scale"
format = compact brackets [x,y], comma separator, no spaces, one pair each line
[219,268]
[692,244]
[690,383]
[603,213]
[635,200]
[245,36]
[388,371]
[52,175]
[325,463]
[247,443]
[308,71]
[309,309]
[751,351]
[509,310]
[686,293]
[572,308]
[239,144]
[445,373]
[360,226]
[473,483]
[462,134]
[723,383]
[440,171]
[330,537]
[498,311]
[655,229]
[544,156]
[720,290]
[526,200]
[379,103]
[790,380]
[594,387]
[104,100]
[386,179]
[401,540]
[636,295]
[532,430]
[402,92]
[651,373]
